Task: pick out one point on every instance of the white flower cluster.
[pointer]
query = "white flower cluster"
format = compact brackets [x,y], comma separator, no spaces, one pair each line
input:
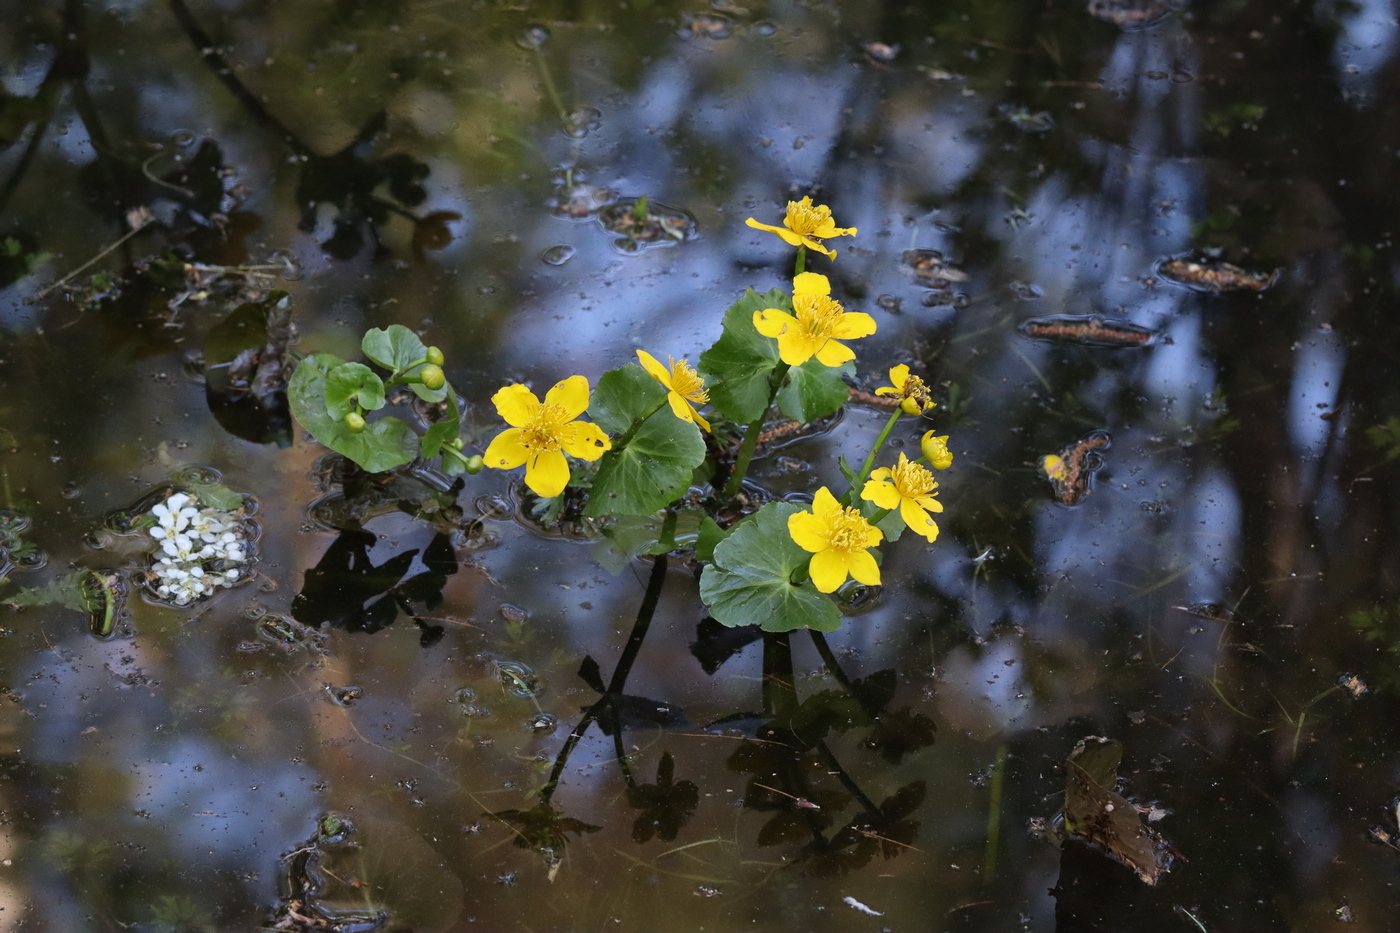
[191,539]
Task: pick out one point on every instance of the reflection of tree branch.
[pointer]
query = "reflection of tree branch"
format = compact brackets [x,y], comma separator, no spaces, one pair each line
[605,706]
[224,72]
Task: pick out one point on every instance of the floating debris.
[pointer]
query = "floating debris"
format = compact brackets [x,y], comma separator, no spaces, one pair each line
[1215,276]
[705,25]
[1026,291]
[532,37]
[1134,14]
[929,269]
[1025,121]
[581,201]
[881,52]
[582,121]
[1098,815]
[644,225]
[1354,685]
[1072,470]
[854,904]
[1091,330]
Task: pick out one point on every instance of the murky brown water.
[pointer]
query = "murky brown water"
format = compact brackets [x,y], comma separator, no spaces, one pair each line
[1067,219]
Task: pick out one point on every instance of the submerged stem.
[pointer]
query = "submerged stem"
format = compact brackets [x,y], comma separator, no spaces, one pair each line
[750,443]
[989,860]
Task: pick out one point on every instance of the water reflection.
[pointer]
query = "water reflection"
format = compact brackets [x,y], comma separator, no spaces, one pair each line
[405,164]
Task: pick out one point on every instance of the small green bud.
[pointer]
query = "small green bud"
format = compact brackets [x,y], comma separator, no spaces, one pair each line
[458,443]
[354,422]
[474,464]
[434,356]
[432,377]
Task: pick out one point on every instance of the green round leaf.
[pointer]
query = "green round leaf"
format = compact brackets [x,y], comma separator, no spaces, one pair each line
[393,347]
[738,366]
[349,382]
[383,445]
[444,432]
[749,581]
[814,391]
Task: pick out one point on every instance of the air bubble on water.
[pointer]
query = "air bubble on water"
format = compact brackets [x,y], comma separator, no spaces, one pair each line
[512,613]
[582,121]
[764,29]
[532,37]
[183,138]
[541,724]
[71,491]
[557,255]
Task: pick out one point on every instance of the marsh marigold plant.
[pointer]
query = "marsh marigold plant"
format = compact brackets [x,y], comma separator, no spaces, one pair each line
[806,224]
[909,487]
[910,391]
[541,433]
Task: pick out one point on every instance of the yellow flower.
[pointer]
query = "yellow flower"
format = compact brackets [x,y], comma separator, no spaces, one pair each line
[914,398]
[908,487]
[684,386]
[803,222]
[819,323]
[838,538]
[935,450]
[1055,467]
[540,433]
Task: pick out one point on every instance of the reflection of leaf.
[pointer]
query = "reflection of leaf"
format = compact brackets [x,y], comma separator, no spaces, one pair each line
[589,673]
[666,805]
[899,732]
[542,827]
[245,377]
[886,833]
[715,643]
[1101,816]
[750,581]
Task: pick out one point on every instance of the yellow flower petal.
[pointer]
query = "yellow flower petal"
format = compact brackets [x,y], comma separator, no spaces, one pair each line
[796,349]
[898,376]
[881,492]
[547,474]
[834,353]
[516,405]
[824,502]
[828,570]
[862,568]
[583,439]
[854,324]
[654,368]
[772,322]
[810,283]
[807,531]
[571,395]
[682,410]
[506,452]
[918,520]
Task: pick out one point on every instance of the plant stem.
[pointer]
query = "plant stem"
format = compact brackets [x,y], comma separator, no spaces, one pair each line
[801,265]
[549,88]
[989,860]
[869,464]
[746,449]
[631,432]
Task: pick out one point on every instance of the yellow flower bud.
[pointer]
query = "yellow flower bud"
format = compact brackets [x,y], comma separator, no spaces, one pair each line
[935,450]
[434,356]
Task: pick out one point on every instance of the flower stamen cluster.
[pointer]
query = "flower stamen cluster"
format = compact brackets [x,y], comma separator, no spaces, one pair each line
[541,433]
[914,397]
[816,326]
[201,549]
[685,387]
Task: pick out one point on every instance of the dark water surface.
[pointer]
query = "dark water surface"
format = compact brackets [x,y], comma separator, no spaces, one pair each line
[1223,600]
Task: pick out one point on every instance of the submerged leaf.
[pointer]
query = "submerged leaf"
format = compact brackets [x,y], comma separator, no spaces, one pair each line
[1099,815]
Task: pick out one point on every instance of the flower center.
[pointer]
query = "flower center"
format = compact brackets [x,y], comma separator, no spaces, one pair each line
[817,315]
[915,389]
[805,219]
[542,433]
[686,382]
[848,530]
[913,480]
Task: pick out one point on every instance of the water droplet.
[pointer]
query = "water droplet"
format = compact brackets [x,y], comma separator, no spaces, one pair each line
[513,613]
[183,138]
[344,696]
[532,37]
[764,29]
[582,121]
[557,255]
[541,724]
